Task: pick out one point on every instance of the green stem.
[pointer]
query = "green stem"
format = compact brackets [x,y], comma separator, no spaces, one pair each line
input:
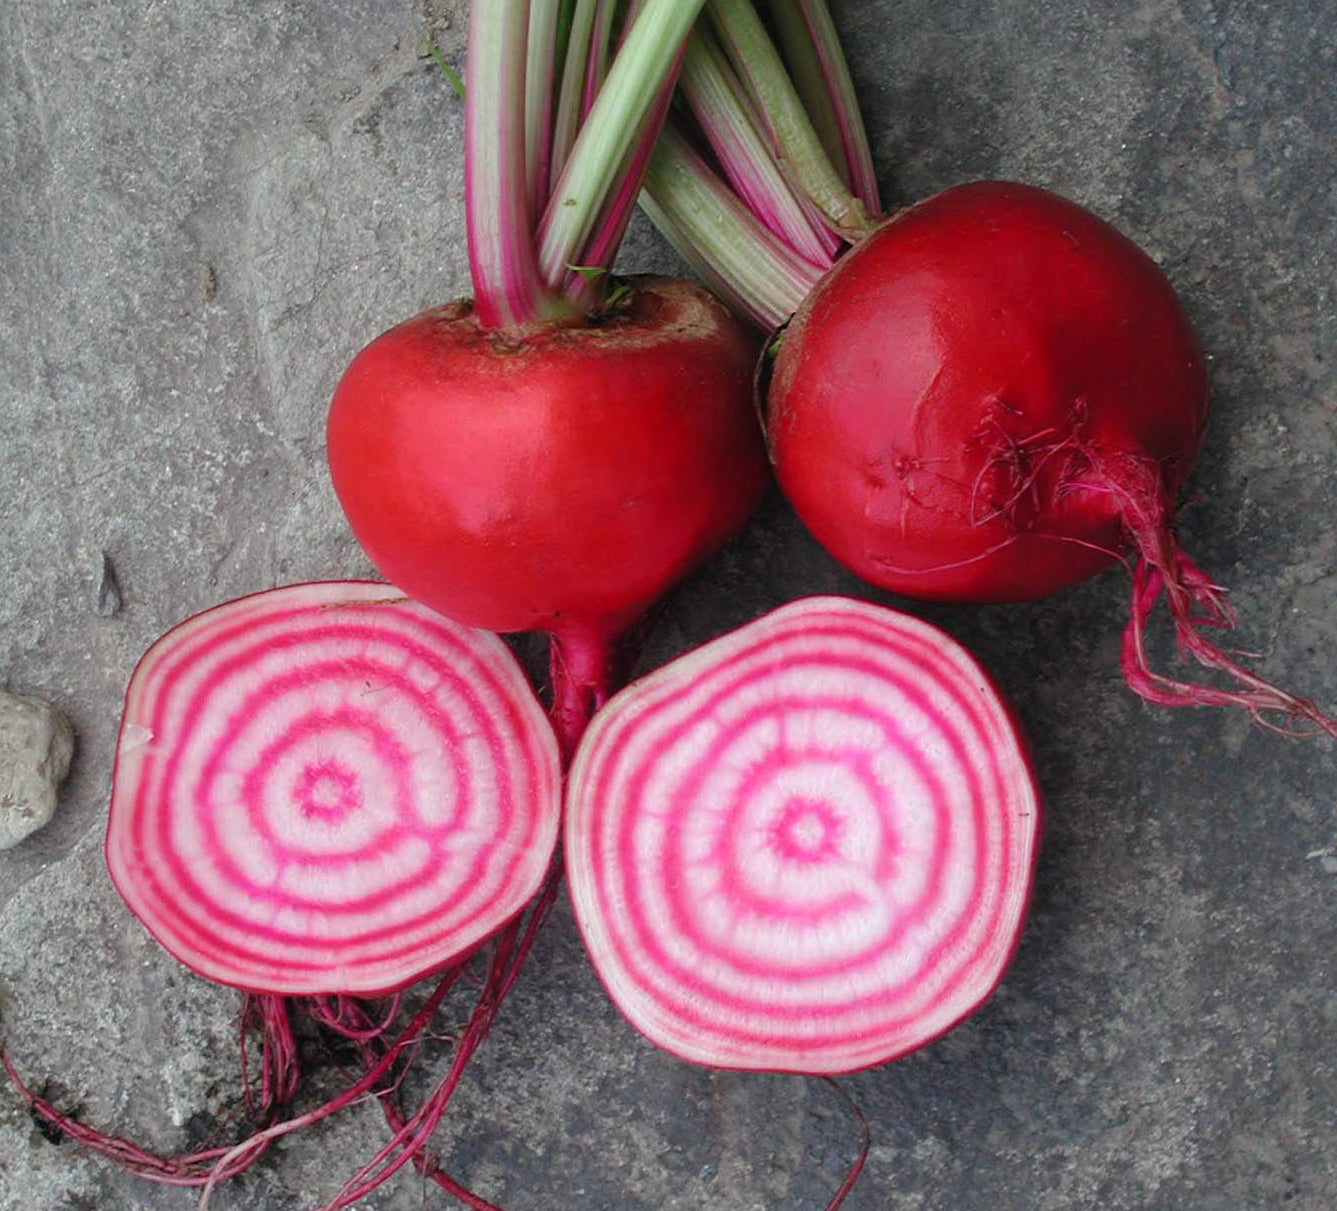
[730,123]
[572,90]
[796,142]
[642,64]
[508,291]
[600,250]
[720,238]
[822,77]
[541,59]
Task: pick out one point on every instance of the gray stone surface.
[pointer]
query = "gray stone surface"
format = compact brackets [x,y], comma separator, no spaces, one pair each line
[206,208]
[36,744]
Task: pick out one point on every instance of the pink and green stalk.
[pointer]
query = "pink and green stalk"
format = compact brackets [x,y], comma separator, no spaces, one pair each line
[822,77]
[601,250]
[596,65]
[519,132]
[586,284]
[569,108]
[687,248]
[793,152]
[732,126]
[508,289]
[787,124]
[645,59]
[540,69]
[717,235]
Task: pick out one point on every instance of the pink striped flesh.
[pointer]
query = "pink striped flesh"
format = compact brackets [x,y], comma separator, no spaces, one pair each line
[805,847]
[329,789]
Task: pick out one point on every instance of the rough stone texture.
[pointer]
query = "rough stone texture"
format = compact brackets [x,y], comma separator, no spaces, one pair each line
[205,209]
[36,744]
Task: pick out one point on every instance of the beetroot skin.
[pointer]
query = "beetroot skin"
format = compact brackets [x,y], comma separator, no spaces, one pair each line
[948,404]
[556,480]
[992,397]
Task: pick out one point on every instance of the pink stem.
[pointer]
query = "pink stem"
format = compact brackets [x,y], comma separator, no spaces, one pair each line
[541,60]
[840,105]
[602,149]
[719,237]
[580,663]
[601,249]
[570,96]
[733,127]
[596,65]
[508,289]
[783,118]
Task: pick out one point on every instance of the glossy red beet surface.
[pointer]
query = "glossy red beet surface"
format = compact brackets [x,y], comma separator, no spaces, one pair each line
[555,480]
[958,408]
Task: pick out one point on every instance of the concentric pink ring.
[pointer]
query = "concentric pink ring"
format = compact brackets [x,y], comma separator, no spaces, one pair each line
[723,945]
[449,794]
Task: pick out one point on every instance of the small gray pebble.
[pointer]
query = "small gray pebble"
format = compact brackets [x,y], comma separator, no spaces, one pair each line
[36,744]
